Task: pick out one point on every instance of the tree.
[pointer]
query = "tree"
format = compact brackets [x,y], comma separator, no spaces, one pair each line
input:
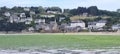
[97,19]
[66,10]
[118,10]
[87,20]
[17,9]
[81,10]
[93,10]
[54,9]
[112,21]
[7,26]
[73,11]
[41,9]
[35,9]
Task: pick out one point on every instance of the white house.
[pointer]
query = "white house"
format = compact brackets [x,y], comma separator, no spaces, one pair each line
[85,14]
[53,12]
[20,17]
[26,9]
[48,16]
[39,21]
[92,25]
[101,23]
[23,15]
[22,20]
[27,22]
[32,12]
[96,25]
[116,27]
[7,14]
[31,29]
[77,23]
[61,18]
[48,27]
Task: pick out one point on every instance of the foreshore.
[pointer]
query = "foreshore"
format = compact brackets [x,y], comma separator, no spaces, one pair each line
[59,51]
[72,33]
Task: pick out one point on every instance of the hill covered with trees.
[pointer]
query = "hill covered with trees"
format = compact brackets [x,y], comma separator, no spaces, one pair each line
[92,13]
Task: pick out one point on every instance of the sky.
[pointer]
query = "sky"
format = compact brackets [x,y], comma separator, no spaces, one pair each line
[111,5]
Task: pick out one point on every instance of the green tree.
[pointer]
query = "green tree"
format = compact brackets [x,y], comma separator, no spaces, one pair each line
[54,9]
[41,9]
[17,9]
[81,10]
[73,11]
[93,10]
[118,10]
[97,19]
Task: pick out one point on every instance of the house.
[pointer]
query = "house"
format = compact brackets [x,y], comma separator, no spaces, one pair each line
[7,14]
[77,23]
[39,21]
[53,12]
[48,27]
[32,12]
[63,27]
[51,27]
[101,23]
[85,14]
[26,9]
[48,16]
[22,20]
[38,26]
[61,18]
[74,26]
[27,22]
[54,24]
[14,18]
[29,19]
[116,27]
[22,15]
[118,10]
[31,29]
[97,25]
[92,25]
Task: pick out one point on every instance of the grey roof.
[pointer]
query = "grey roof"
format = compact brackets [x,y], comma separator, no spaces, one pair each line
[77,21]
[118,25]
[92,23]
[102,21]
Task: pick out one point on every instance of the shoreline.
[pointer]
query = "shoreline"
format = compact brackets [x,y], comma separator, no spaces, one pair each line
[80,33]
[60,51]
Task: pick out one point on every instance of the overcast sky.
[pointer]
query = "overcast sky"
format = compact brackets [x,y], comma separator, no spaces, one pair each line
[111,5]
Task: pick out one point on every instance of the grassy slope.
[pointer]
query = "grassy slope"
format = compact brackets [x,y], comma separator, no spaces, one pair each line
[84,17]
[59,41]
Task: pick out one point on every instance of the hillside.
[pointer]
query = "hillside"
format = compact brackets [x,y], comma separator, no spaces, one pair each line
[76,17]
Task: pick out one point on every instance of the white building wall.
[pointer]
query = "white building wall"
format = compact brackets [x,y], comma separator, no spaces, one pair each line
[77,24]
[100,24]
[7,14]
[40,21]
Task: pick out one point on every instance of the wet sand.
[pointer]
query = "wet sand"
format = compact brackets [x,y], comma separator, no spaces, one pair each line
[60,51]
